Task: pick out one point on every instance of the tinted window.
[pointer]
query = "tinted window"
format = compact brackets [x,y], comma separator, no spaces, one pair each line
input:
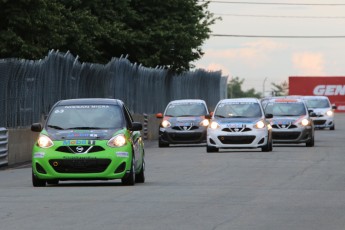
[186,109]
[86,117]
[318,103]
[238,109]
[285,109]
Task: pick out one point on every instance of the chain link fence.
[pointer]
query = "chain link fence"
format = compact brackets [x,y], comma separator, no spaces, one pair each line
[30,88]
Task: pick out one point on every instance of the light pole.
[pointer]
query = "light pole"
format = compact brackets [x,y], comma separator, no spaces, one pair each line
[263,87]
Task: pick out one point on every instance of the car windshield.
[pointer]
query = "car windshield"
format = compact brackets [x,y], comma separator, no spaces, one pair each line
[86,117]
[318,103]
[186,109]
[285,109]
[238,109]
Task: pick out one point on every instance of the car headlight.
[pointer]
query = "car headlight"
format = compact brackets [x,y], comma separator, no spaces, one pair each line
[329,113]
[305,122]
[214,125]
[44,141]
[166,124]
[204,122]
[259,125]
[117,141]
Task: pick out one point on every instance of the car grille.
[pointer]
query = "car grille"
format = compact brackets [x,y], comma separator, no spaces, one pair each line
[289,126]
[319,122]
[236,140]
[184,127]
[80,165]
[235,130]
[188,137]
[286,135]
[80,149]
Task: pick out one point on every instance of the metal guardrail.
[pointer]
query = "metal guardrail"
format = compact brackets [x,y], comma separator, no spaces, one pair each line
[3,146]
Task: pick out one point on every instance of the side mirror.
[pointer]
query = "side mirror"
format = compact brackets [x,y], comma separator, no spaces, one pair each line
[36,127]
[136,126]
[269,115]
[159,115]
[310,111]
[312,114]
[334,107]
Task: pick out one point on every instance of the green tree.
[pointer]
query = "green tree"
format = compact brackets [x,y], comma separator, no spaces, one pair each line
[235,89]
[281,89]
[154,33]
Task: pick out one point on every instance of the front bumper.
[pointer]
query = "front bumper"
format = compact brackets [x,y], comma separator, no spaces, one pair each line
[110,163]
[173,136]
[223,139]
[323,122]
[294,135]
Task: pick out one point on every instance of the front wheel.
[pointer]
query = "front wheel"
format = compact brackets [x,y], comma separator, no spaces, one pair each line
[332,127]
[211,149]
[310,143]
[140,177]
[162,144]
[36,182]
[129,179]
[268,147]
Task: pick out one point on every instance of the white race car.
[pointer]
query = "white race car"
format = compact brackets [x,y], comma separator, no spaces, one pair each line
[239,123]
[323,109]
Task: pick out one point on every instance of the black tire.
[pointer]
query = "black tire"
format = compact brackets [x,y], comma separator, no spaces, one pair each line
[129,179]
[271,146]
[52,182]
[162,144]
[36,182]
[211,149]
[140,177]
[310,143]
[332,127]
[266,148]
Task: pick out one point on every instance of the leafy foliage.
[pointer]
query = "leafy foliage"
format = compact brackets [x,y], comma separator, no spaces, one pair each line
[154,33]
[235,89]
[281,89]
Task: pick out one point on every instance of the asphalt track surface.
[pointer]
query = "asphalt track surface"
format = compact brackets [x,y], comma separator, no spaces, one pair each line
[292,188]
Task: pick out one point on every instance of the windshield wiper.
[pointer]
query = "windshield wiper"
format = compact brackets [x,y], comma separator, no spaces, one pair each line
[55,127]
[287,115]
[85,127]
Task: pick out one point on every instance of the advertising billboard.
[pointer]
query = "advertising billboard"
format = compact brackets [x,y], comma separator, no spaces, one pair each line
[331,86]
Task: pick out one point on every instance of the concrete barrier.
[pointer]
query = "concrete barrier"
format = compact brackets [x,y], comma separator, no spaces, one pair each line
[20,141]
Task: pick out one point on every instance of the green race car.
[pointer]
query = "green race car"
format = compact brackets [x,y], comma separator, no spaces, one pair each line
[88,139]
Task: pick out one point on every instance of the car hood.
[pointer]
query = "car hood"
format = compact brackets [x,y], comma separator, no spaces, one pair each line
[181,121]
[237,120]
[286,120]
[320,111]
[92,134]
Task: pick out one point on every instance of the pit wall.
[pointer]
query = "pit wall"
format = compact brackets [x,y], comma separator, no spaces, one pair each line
[21,140]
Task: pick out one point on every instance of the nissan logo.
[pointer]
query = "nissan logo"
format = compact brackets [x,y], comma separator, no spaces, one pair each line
[79,149]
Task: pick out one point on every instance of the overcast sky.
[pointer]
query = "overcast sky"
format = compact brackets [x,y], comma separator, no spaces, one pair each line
[255,59]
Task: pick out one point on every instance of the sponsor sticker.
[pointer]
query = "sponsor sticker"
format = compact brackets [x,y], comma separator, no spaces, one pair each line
[39,155]
[78,157]
[281,122]
[122,154]
[234,126]
[79,142]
